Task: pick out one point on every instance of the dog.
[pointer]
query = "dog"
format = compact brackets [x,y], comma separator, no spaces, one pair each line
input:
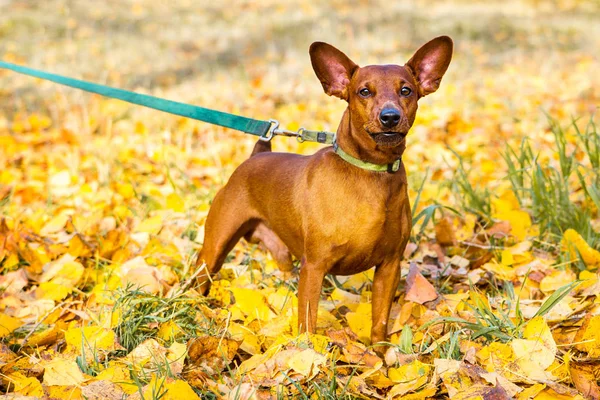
[344,209]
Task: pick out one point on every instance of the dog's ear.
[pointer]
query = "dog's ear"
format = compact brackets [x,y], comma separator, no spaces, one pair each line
[333,68]
[430,62]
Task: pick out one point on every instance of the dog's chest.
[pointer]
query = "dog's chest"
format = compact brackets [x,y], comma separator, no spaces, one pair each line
[362,222]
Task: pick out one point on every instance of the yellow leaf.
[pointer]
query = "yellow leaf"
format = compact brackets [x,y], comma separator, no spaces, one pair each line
[77,248]
[533,358]
[556,280]
[150,225]
[220,290]
[64,271]
[52,291]
[56,224]
[119,374]
[360,322]
[252,304]
[47,336]
[501,271]
[172,389]
[11,261]
[60,179]
[531,392]
[307,362]
[177,352]
[319,342]
[409,377]
[90,337]
[358,281]
[283,300]
[507,201]
[537,329]
[169,330]
[507,258]
[550,394]
[175,202]
[588,279]
[250,342]
[344,298]
[408,372]
[62,372]
[140,128]
[26,386]
[146,351]
[588,336]
[574,243]
[520,222]
[146,278]
[8,324]
[70,392]
[125,190]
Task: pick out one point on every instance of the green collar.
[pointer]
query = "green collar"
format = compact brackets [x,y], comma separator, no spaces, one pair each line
[391,168]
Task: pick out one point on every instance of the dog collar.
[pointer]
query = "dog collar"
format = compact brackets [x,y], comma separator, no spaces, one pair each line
[391,168]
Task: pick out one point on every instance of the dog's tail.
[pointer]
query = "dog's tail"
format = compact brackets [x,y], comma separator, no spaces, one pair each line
[261,147]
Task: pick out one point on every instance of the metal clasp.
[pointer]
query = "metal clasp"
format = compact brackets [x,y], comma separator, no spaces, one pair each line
[277,131]
[271,132]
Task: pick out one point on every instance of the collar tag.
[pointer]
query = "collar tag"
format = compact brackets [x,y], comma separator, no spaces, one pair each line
[394,167]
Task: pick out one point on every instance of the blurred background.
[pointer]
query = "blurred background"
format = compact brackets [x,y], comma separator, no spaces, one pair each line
[514,62]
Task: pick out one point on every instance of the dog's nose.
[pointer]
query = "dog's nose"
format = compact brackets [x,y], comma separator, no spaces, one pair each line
[389,117]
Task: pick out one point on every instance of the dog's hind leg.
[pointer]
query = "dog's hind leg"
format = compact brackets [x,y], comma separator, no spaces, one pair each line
[280,252]
[226,223]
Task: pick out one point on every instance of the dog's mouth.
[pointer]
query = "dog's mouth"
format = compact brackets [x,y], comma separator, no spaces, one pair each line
[388,138]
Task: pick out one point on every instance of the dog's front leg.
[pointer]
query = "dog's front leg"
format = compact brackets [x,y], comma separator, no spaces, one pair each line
[309,292]
[385,283]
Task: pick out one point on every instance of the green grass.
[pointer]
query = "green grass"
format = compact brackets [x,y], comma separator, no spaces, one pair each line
[495,323]
[563,195]
[141,312]
[558,194]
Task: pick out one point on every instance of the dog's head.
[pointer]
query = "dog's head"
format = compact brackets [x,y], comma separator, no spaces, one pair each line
[382,99]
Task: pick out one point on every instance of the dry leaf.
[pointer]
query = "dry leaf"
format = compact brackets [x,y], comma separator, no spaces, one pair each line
[418,289]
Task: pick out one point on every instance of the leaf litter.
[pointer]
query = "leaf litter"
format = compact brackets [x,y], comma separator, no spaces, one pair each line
[499,300]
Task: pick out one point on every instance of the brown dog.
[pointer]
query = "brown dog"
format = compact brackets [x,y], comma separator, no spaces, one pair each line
[344,209]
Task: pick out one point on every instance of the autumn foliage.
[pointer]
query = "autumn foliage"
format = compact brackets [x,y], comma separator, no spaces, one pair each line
[102,206]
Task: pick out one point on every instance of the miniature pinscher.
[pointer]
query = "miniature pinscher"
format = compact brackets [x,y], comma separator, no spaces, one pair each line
[345,208]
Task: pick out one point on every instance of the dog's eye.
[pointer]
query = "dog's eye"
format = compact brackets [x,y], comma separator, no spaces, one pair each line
[364,92]
[405,91]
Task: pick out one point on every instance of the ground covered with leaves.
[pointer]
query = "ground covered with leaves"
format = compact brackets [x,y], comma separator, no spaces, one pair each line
[102,205]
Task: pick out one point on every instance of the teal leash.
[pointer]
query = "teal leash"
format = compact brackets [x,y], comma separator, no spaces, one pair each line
[265,130]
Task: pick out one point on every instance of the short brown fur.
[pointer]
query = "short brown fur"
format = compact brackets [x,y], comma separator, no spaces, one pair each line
[335,217]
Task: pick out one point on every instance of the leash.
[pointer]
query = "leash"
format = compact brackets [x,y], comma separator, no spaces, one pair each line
[265,130]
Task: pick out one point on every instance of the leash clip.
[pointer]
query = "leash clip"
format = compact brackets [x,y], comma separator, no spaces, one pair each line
[302,135]
[277,131]
[271,132]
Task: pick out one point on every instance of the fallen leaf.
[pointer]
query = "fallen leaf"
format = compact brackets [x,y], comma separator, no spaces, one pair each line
[588,336]
[418,289]
[102,390]
[62,372]
[211,353]
[585,380]
[90,338]
[444,232]
[25,385]
[8,324]
[577,246]
[306,363]
[409,377]
[360,322]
